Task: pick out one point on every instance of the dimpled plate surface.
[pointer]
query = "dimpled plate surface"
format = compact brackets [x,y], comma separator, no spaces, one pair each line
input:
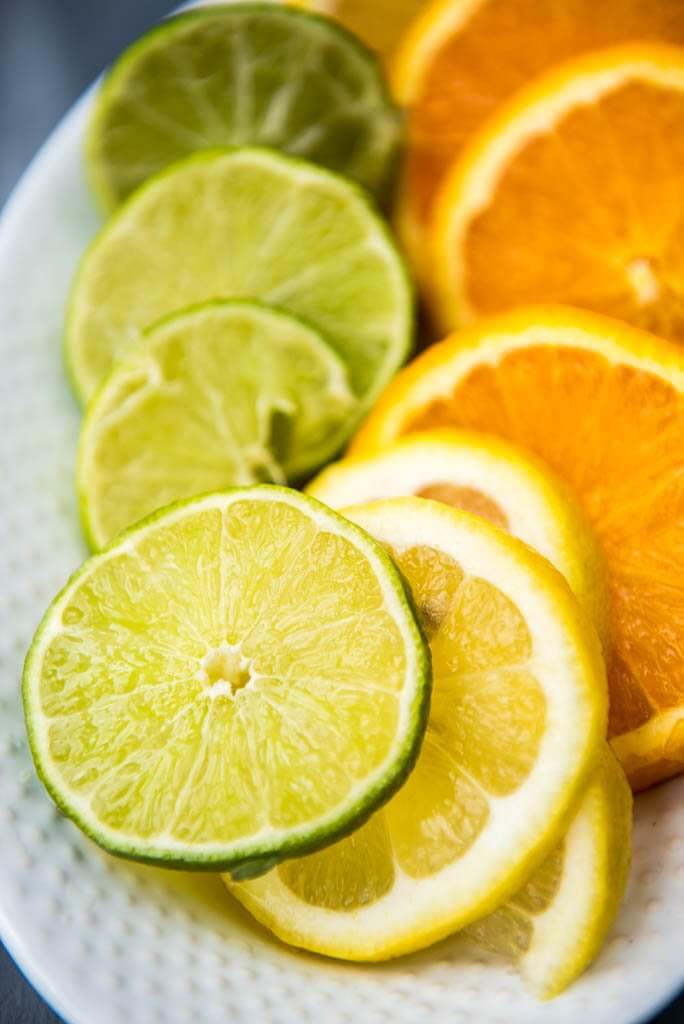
[110,943]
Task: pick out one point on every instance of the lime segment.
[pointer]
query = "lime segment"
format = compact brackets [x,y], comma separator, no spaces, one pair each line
[226,393]
[253,224]
[238,679]
[236,75]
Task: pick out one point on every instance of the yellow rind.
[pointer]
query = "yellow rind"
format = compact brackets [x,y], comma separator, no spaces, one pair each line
[571,933]
[566,935]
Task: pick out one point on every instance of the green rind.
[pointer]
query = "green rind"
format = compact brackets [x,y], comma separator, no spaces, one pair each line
[253,857]
[117,75]
[126,362]
[403,345]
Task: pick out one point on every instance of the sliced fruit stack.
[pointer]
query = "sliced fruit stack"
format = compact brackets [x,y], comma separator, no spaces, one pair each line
[603,404]
[555,124]
[381,706]
[192,395]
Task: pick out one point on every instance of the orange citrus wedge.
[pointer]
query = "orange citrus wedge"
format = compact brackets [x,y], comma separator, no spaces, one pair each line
[603,404]
[462,58]
[573,192]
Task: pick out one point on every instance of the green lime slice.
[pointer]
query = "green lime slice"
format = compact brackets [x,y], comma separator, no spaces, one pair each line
[236,680]
[245,223]
[225,393]
[243,74]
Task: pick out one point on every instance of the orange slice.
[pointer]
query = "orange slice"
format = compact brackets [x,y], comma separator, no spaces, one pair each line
[463,58]
[603,404]
[573,193]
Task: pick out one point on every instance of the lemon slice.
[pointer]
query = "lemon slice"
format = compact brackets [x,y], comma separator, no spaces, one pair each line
[555,926]
[516,725]
[243,74]
[225,393]
[244,223]
[491,478]
[236,680]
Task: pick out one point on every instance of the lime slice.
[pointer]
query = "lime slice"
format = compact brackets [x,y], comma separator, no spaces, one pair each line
[238,679]
[516,726]
[243,74]
[222,394]
[245,223]
[555,926]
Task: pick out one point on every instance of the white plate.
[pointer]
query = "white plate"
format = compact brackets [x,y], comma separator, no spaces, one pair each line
[108,943]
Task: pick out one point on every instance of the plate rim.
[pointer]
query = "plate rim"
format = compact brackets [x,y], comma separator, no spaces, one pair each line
[16,946]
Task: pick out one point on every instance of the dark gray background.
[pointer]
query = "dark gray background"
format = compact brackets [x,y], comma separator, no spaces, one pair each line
[50,50]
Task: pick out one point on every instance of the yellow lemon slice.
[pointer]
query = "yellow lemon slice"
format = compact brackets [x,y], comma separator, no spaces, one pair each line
[555,926]
[491,478]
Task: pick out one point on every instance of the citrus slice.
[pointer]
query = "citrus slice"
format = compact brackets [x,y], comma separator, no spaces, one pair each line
[555,926]
[603,404]
[226,393]
[518,709]
[490,478]
[572,193]
[236,75]
[237,679]
[244,223]
[463,58]
[380,23]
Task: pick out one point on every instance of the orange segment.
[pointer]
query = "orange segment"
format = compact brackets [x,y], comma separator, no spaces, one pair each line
[603,405]
[573,193]
[463,58]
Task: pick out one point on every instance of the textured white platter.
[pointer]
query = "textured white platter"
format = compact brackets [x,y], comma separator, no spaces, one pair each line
[108,943]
